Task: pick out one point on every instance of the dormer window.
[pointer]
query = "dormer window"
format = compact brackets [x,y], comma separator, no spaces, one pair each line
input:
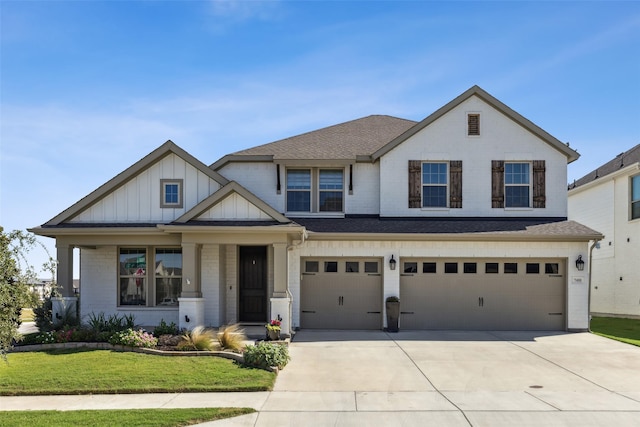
[473,124]
[171,193]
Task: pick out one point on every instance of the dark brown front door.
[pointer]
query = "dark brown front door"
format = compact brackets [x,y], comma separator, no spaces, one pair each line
[253,284]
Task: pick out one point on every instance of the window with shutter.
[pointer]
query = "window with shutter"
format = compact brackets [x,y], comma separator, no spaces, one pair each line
[473,124]
[455,176]
[415,168]
[539,186]
[497,184]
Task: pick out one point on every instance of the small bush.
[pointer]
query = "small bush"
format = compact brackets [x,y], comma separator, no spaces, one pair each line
[164,329]
[265,355]
[231,337]
[99,323]
[134,338]
[199,339]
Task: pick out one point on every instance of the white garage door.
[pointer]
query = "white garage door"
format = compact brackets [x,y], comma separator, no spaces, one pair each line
[488,294]
[341,293]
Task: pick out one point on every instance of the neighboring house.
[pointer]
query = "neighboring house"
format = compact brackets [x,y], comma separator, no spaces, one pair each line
[608,199]
[463,215]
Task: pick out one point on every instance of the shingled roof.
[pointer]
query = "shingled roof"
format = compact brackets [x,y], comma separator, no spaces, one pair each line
[622,160]
[344,141]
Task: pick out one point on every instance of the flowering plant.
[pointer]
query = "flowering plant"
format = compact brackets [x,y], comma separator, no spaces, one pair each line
[274,325]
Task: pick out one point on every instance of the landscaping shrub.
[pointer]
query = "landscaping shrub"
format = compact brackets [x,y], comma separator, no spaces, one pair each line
[134,338]
[265,355]
[198,339]
[232,338]
[164,329]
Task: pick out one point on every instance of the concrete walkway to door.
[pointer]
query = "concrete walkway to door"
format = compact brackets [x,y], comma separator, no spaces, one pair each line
[433,378]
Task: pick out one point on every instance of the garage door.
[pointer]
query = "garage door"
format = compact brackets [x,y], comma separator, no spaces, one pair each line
[341,293]
[490,294]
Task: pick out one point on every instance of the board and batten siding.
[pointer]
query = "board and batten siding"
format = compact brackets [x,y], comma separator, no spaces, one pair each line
[446,140]
[138,200]
[235,207]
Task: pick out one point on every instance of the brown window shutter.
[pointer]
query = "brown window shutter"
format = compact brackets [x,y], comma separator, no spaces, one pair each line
[415,182]
[497,184]
[455,177]
[539,186]
[473,124]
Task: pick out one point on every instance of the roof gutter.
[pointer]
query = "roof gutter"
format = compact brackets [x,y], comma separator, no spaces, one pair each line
[476,237]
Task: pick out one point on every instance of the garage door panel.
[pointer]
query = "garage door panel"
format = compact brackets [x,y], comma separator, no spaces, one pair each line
[508,295]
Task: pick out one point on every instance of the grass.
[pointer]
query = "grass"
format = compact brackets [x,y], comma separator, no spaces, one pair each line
[84,371]
[128,417]
[625,330]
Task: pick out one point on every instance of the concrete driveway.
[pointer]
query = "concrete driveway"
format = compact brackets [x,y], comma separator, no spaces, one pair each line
[455,379]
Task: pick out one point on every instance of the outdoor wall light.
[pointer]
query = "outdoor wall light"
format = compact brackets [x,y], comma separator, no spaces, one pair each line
[186,318]
[392,263]
[580,263]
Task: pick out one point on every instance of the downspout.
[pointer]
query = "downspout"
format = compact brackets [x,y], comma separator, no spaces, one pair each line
[303,236]
[593,246]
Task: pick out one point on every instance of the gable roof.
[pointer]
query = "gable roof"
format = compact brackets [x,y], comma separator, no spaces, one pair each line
[221,194]
[621,161]
[495,103]
[122,178]
[344,141]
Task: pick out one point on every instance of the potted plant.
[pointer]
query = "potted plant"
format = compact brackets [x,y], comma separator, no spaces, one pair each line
[273,329]
[393,313]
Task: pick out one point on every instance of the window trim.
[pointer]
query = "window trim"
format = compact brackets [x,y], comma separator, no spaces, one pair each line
[447,185]
[149,277]
[632,202]
[529,185]
[163,193]
[314,191]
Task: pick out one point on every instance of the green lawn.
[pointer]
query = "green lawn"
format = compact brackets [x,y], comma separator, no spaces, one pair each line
[84,371]
[625,330]
[128,417]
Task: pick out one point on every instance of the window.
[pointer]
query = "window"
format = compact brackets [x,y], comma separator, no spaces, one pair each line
[352,267]
[635,197]
[473,124]
[315,190]
[533,268]
[470,267]
[298,190]
[551,268]
[517,185]
[491,268]
[168,274]
[311,266]
[428,267]
[510,268]
[370,267]
[410,267]
[450,267]
[331,267]
[135,276]
[171,193]
[434,185]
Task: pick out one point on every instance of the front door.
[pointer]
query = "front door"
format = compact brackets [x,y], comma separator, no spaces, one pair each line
[253,284]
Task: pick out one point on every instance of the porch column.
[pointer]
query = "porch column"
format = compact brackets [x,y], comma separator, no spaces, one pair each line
[64,254]
[280,301]
[191,303]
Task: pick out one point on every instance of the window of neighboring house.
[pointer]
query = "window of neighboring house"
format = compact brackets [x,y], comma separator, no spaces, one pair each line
[299,190]
[168,276]
[473,124]
[517,185]
[171,193]
[330,190]
[135,276]
[434,185]
[635,197]
[315,190]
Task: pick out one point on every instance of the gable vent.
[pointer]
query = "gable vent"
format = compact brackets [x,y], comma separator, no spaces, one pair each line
[473,124]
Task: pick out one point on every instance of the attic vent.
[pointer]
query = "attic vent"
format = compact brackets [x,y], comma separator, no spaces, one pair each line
[473,124]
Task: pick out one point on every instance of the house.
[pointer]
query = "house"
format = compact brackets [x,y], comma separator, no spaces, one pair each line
[608,199]
[463,215]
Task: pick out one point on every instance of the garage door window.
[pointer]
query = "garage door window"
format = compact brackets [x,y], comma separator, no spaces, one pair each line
[510,268]
[311,267]
[429,267]
[491,268]
[551,268]
[470,268]
[450,267]
[352,267]
[533,268]
[331,266]
[410,267]
[370,267]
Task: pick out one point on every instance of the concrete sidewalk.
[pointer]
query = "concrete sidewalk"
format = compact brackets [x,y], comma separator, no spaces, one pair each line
[423,379]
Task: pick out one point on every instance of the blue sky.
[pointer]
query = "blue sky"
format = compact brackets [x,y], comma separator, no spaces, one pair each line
[90,87]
